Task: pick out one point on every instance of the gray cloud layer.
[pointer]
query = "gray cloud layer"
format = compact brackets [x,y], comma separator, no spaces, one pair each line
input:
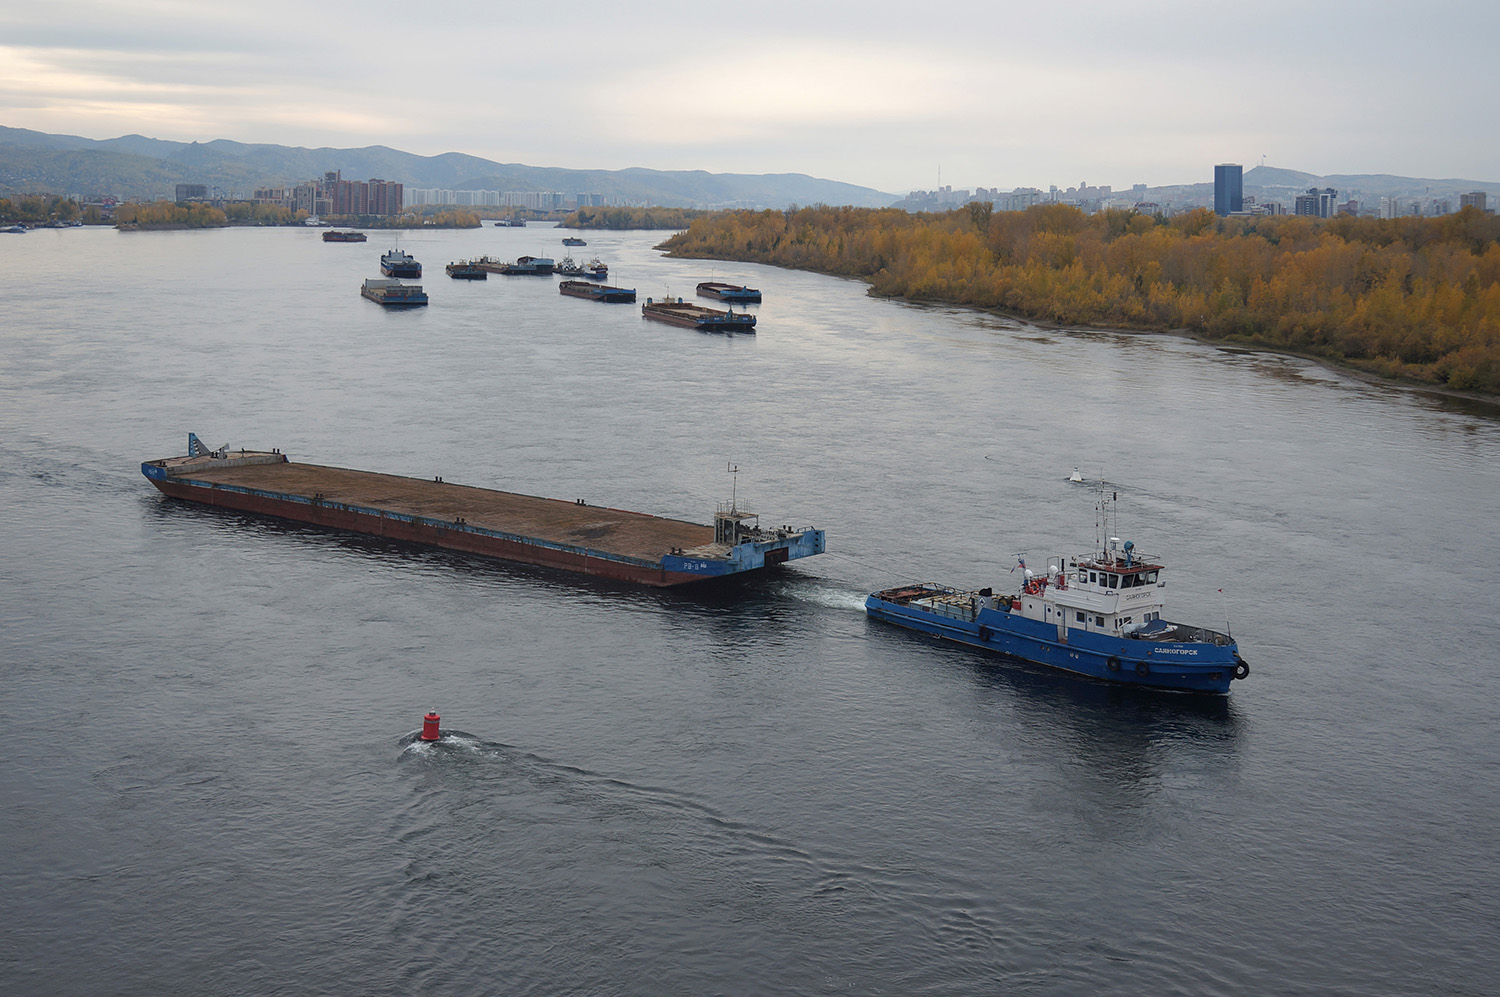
[999,94]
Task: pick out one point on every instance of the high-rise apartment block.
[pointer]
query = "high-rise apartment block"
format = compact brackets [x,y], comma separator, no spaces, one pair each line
[1473,199]
[1317,203]
[1229,189]
[366,197]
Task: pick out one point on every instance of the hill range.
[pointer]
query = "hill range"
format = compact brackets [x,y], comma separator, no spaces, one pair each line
[136,167]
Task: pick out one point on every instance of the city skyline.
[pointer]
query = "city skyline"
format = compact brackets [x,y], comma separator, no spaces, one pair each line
[874,94]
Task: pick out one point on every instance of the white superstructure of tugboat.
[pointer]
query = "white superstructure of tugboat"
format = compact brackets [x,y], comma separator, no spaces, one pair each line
[1099,614]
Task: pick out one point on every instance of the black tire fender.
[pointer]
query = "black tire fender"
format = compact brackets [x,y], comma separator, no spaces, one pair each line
[1142,668]
[1241,668]
[1113,664]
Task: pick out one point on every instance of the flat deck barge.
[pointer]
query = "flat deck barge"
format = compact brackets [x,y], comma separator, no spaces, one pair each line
[737,294]
[569,535]
[596,292]
[692,316]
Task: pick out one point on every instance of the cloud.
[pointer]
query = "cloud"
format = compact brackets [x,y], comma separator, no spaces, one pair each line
[876,93]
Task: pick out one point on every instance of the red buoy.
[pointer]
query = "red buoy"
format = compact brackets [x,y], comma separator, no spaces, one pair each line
[430,727]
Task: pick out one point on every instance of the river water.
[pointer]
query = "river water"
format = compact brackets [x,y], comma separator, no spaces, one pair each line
[208,787]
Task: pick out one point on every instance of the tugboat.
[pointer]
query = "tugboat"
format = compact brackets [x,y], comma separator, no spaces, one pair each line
[595,269]
[400,263]
[1097,614]
[568,268]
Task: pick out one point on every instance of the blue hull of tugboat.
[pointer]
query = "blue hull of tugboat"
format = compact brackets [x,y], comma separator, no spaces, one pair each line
[1177,666]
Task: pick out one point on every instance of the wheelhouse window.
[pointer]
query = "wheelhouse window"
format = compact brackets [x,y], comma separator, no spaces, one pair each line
[1098,621]
[1082,616]
[1112,581]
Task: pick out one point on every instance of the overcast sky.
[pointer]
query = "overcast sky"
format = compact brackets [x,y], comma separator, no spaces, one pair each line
[993,94]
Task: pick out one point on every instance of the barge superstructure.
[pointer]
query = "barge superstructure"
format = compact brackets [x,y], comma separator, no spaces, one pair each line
[571,536]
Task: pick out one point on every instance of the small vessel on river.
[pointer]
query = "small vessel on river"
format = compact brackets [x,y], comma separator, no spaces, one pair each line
[689,316]
[400,263]
[1097,614]
[336,235]
[392,293]
[526,266]
[737,294]
[596,292]
[466,270]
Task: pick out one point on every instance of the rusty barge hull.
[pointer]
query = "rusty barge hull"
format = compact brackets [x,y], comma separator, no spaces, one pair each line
[569,536]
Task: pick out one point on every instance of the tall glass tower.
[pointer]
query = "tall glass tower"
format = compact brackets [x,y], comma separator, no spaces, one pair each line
[1229,188]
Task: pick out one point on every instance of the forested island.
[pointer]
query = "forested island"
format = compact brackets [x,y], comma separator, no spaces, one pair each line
[632,218]
[1415,299]
[198,214]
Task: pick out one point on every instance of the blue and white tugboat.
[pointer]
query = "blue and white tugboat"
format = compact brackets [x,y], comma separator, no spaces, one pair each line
[1097,614]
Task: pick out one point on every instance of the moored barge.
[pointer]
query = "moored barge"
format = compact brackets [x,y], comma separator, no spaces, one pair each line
[571,536]
[400,263]
[596,292]
[392,293]
[466,270]
[690,316]
[334,235]
[737,294]
[525,266]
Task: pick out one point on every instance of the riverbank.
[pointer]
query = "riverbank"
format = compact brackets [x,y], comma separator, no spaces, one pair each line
[1407,300]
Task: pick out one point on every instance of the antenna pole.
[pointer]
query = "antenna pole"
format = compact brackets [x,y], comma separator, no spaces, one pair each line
[734,476]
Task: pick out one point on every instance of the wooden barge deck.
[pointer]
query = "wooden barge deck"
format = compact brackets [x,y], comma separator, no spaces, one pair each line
[570,535]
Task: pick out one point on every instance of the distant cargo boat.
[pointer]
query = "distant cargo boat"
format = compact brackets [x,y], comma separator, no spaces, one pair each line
[697,317]
[596,292]
[400,263]
[466,270]
[334,235]
[595,269]
[392,293]
[511,223]
[573,240]
[737,294]
[526,266]
[570,536]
